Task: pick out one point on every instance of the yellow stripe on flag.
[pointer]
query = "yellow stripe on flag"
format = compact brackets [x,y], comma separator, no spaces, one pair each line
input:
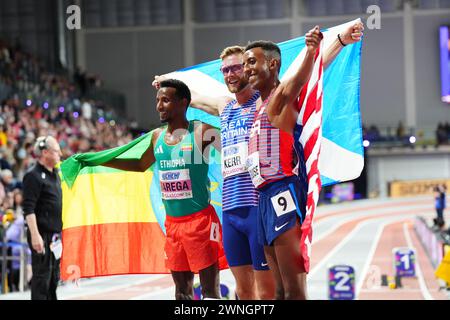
[98,198]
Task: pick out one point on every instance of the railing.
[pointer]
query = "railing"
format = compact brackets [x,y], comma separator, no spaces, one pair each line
[22,258]
[432,241]
[387,137]
[112,99]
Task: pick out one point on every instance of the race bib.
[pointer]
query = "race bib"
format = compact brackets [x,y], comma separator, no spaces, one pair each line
[215,232]
[254,169]
[283,203]
[175,184]
[233,159]
[56,248]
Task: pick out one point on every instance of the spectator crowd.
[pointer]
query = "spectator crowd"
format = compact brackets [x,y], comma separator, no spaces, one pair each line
[36,102]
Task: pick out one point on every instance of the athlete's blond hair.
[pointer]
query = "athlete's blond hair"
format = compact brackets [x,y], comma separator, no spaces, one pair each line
[228,51]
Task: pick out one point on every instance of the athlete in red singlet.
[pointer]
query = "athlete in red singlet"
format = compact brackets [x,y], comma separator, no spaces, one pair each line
[272,152]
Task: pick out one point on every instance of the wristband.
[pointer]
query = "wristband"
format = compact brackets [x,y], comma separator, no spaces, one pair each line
[340,40]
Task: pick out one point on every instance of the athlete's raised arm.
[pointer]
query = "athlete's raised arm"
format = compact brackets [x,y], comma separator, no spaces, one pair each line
[213,106]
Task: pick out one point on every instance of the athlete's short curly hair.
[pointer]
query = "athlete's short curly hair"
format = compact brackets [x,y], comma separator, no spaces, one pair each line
[182,90]
[271,49]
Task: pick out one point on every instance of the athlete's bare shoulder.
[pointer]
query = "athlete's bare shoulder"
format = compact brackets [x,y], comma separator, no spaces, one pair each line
[156,134]
[206,134]
[223,102]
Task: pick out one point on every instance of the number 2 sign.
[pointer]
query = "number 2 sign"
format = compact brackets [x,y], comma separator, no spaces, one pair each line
[341,282]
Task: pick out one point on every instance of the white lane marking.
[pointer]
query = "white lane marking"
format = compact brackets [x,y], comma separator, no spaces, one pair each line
[369,205]
[348,238]
[368,211]
[166,293]
[343,219]
[333,251]
[90,282]
[423,287]
[369,258]
[81,293]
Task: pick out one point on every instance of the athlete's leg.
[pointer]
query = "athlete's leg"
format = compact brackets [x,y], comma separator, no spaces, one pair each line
[245,282]
[291,264]
[273,265]
[184,285]
[265,284]
[238,252]
[263,278]
[209,279]
[177,260]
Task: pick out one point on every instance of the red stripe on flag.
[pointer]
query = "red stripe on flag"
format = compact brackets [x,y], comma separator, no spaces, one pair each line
[313,106]
[302,96]
[320,69]
[309,146]
[317,54]
[112,249]
[311,103]
[115,248]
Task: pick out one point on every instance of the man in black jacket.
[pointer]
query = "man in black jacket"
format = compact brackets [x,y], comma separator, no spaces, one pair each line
[42,207]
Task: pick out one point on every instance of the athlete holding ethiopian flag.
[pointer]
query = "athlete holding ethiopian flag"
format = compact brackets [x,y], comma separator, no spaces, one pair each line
[193,230]
[273,154]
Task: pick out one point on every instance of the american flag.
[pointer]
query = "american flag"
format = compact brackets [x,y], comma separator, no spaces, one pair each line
[310,134]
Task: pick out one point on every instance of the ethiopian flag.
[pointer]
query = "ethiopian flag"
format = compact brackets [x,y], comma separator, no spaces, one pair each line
[113,220]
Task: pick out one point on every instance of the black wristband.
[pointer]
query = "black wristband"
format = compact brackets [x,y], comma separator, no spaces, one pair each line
[340,40]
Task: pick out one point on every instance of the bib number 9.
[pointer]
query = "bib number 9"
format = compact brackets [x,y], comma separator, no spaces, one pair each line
[283,203]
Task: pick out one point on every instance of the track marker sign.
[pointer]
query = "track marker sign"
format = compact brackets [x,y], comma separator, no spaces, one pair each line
[404,262]
[341,282]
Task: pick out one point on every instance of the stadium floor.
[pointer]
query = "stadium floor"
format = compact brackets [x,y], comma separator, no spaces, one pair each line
[361,234]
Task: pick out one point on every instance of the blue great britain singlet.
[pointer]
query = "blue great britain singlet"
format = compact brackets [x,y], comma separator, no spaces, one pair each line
[272,153]
[236,122]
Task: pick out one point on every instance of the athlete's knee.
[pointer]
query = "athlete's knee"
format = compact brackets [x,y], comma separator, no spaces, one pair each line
[266,294]
[295,291]
[245,292]
[266,289]
[184,294]
[295,295]
[279,292]
[210,288]
[212,292]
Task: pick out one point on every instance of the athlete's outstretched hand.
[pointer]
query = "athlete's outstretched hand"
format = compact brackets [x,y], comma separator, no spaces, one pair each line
[157,81]
[353,33]
[313,38]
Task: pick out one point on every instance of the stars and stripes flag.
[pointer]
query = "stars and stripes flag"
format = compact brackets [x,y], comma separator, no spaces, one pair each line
[309,133]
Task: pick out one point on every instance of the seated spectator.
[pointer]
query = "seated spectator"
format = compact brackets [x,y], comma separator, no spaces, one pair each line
[6,180]
[15,238]
[400,131]
[4,164]
[441,135]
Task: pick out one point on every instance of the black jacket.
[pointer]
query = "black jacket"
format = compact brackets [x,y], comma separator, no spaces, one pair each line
[42,195]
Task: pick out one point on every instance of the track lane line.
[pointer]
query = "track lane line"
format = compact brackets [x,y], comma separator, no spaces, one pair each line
[423,287]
